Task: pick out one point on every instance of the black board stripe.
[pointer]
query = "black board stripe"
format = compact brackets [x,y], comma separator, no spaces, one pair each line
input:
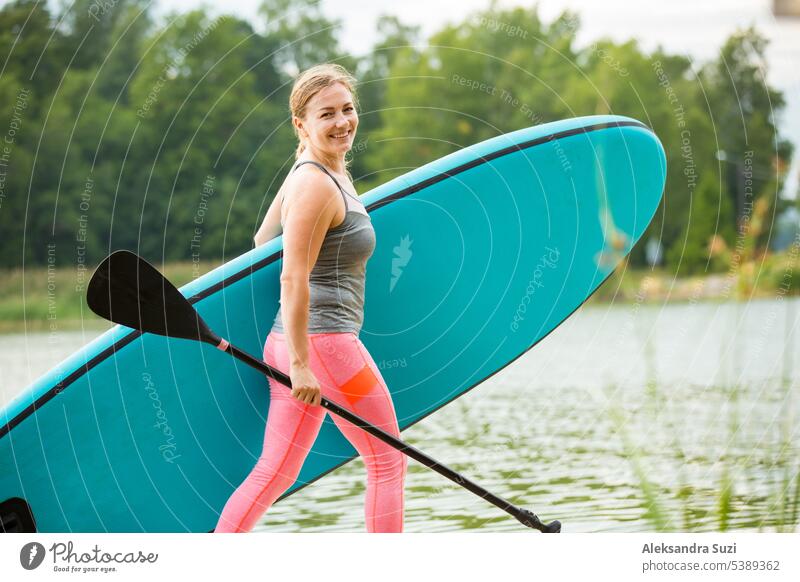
[60,386]
[247,271]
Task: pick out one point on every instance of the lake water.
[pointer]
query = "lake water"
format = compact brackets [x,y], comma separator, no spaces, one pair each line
[626,418]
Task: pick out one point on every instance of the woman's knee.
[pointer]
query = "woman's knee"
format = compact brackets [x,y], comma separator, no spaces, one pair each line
[267,474]
[386,464]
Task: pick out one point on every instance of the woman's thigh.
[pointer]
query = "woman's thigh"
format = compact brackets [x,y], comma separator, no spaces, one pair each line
[350,377]
[292,426]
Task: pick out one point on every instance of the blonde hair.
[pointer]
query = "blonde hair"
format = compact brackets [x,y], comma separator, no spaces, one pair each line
[312,81]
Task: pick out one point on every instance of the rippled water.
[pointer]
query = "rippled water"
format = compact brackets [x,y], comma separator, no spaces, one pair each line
[626,418]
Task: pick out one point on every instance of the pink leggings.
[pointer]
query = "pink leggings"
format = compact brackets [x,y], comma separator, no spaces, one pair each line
[349,377]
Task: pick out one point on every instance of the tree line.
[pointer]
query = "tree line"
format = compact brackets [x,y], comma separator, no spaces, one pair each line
[171,137]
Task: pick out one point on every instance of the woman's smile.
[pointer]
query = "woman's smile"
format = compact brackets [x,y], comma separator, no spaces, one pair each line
[342,135]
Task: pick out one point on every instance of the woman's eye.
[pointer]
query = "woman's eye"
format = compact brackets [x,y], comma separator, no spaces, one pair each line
[328,114]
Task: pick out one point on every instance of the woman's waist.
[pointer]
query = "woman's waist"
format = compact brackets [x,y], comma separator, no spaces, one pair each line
[337,287]
[281,335]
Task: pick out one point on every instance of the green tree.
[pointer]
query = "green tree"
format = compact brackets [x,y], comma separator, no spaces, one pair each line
[30,48]
[709,215]
[305,35]
[204,113]
[744,110]
[476,79]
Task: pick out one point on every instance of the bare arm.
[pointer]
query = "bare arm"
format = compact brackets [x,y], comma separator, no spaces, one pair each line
[311,207]
[271,227]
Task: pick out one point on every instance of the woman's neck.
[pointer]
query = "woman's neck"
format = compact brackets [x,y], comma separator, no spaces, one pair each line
[334,162]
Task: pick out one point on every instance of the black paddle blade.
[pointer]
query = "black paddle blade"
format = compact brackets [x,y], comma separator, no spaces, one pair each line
[128,290]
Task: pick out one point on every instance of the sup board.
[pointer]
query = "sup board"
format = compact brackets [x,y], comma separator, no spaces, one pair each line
[479,256]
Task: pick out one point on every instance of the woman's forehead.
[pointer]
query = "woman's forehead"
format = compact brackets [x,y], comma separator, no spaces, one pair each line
[333,96]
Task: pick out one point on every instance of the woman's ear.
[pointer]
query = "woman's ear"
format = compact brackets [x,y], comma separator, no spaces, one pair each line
[298,123]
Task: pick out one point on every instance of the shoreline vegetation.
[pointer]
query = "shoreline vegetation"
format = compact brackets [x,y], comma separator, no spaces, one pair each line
[40,299]
[54,299]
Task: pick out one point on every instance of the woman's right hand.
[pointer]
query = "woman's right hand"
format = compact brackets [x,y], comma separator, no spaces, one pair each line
[305,386]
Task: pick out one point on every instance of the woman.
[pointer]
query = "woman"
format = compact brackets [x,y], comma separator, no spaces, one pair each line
[327,239]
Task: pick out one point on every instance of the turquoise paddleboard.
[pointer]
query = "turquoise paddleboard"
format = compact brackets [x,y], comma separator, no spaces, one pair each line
[479,256]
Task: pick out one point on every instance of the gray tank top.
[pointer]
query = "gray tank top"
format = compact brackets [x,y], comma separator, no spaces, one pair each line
[336,282]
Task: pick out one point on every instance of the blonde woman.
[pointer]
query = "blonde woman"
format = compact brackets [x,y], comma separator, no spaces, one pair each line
[327,240]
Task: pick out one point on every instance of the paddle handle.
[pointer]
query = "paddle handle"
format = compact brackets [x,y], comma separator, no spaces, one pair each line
[524,516]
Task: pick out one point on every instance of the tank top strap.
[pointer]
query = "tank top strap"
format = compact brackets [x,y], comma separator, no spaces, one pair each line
[324,169]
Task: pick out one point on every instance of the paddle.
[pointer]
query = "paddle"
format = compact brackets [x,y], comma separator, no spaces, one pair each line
[128,290]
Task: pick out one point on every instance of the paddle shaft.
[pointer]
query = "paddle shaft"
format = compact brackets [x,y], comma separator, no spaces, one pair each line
[522,515]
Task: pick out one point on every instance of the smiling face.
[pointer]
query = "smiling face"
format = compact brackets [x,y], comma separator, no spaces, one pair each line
[329,124]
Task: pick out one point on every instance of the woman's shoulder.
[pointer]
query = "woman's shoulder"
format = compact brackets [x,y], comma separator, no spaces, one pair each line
[342,182]
[307,181]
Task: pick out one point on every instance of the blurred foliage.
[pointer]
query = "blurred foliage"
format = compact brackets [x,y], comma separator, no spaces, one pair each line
[48,299]
[172,137]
